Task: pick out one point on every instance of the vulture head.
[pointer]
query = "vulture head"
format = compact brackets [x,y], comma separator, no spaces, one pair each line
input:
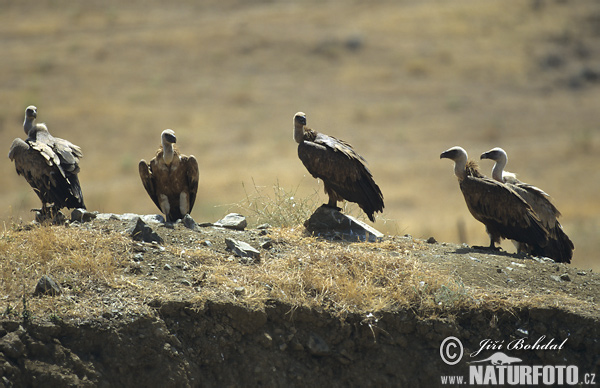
[497,154]
[31,112]
[168,137]
[299,123]
[459,156]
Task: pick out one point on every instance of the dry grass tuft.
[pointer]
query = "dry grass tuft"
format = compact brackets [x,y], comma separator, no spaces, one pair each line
[339,277]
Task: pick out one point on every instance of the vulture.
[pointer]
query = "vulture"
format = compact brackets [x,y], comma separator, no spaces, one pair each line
[344,173]
[504,213]
[171,179]
[49,164]
[559,247]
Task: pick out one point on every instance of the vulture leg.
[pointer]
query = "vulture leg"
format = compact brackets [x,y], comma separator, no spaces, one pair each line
[333,204]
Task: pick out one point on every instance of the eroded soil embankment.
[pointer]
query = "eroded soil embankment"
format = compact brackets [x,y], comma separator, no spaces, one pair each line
[222,344]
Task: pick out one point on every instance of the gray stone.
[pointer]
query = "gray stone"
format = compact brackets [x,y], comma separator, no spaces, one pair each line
[565,277]
[233,221]
[189,222]
[331,223]
[82,215]
[142,232]
[46,286]
[147,218]
[242,249]
[267,244]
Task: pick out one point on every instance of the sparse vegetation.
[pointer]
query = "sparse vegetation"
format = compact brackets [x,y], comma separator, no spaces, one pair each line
[112,80]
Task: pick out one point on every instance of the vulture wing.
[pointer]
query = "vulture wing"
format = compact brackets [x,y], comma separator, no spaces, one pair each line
[148,180]
[190,165]
[40,167]
[559,247]
[343,170]
[502,210]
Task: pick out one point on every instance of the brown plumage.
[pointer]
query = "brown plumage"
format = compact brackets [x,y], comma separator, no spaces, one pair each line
[50,165]
[344,173]
[504,213]
[171,179]
[559,247]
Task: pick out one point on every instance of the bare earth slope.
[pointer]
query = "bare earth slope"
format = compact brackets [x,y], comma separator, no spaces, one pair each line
[307,312]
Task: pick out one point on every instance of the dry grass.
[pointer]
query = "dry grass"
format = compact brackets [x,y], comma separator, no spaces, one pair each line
[95,270]
[91,266]
[228,76]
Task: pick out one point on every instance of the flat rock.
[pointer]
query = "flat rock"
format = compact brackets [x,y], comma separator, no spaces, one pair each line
[242,249]
[82,215]
[46,286]
[142,232]
[232,221]
[147,218]
[331,223]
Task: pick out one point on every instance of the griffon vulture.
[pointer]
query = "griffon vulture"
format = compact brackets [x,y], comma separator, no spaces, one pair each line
[171,179]
[503,212]
[344,173]
[560,247]
[49,164]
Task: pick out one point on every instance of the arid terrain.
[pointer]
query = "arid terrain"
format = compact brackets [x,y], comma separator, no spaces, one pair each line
[306,312]
[400,80]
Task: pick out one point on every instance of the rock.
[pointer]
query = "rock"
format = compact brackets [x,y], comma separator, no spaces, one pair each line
[147,218]
[167,267]
[242,249]
[317,346]
[82,215]
[239,291]
[267,244]
[555,278]
[431,240]
[142,232]
[233,221]
[331,223]
[565,277]
[263,226]
[46,286]
[189,222]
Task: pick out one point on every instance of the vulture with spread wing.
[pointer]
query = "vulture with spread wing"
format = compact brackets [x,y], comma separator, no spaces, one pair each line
[171,179]
[559,247]
[344,173]
[49,164]
[504,213]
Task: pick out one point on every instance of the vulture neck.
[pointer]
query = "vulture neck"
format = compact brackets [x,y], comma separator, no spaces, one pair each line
[498,170]
[168,152]
[28,124]
[298,133]
[460,167]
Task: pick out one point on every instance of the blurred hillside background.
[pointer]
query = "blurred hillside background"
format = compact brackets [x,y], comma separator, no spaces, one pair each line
[400,80]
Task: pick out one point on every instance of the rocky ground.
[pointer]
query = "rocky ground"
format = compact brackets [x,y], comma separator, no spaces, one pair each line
[183,329]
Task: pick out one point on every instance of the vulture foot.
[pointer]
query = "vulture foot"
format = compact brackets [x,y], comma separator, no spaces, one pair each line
[339,209]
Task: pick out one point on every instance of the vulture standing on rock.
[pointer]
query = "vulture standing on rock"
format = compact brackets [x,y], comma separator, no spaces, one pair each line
[344,172]
[50,166]
[171,179]
[504,213]
[559,247]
